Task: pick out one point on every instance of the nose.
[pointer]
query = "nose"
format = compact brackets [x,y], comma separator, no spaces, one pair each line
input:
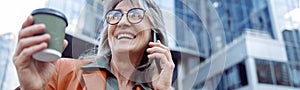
[123,22]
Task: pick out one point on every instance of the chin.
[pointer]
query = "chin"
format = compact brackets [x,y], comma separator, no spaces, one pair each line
[127,50]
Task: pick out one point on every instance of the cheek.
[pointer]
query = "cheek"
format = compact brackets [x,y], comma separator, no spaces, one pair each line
[111,30]
[110,35]
[147,35]
[144,25]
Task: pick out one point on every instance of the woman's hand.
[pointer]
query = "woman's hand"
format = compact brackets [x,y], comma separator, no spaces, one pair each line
[32,74]
[161,52]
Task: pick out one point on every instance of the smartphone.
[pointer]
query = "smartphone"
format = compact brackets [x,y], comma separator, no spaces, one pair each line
[157,62]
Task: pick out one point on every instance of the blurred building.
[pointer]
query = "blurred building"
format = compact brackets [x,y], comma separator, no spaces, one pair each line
[216,44]
[8,75]
[257,55]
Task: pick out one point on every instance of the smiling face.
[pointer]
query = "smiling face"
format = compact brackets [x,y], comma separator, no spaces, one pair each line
[125,37]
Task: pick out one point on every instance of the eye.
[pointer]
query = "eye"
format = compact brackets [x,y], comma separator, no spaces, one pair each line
[113,17]
[135,15]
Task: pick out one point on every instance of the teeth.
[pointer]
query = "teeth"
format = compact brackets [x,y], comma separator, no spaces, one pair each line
[128,36]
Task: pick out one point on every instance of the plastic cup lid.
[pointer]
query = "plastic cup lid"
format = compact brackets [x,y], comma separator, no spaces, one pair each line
[50,11]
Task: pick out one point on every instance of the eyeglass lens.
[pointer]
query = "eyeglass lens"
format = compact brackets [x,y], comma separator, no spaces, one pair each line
[134,16]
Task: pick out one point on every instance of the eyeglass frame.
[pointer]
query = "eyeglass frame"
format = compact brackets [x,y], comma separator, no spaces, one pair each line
[126,15]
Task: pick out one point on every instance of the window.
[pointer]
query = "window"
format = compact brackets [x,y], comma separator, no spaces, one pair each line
[278,73]
[263,70]
[290,52]
[281,73]
[236,13]
[232,78]
[292,45]
[295,73]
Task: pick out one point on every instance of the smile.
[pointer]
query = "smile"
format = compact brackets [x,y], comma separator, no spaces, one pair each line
[125,36]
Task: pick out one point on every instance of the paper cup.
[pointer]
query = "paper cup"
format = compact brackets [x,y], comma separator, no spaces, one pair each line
[56,24]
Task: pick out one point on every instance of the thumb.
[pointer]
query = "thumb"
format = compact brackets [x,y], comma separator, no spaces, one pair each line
[65,44]
[158,41]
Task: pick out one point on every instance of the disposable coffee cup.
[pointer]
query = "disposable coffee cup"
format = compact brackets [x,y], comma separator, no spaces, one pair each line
[56,24]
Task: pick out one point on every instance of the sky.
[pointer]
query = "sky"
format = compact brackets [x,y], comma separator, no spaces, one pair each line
[14,13]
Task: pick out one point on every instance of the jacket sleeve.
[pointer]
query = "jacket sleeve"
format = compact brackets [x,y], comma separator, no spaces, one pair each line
[67,75]
[52,84]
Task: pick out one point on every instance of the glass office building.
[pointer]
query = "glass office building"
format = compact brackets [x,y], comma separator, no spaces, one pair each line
[189,25]
[239,15]
[256,58]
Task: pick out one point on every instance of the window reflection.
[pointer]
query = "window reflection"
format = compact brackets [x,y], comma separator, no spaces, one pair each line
[263,70]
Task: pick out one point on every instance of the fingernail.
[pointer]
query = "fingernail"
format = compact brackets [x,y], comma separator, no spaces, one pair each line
[158,41]
[47,35]
[44,44]
[42,25]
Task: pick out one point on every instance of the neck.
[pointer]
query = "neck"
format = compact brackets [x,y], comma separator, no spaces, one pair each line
[123,65]
[122,77]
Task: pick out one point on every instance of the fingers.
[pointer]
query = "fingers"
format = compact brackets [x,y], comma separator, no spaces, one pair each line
[152,44]
[159,48]
[28,22]
[159,56]
[31,30]
[161,52]
[28,52]
[30,41]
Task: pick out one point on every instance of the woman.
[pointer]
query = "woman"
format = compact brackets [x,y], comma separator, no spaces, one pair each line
[124,47]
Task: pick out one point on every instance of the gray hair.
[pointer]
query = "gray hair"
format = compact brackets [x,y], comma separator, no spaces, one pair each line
[152,11]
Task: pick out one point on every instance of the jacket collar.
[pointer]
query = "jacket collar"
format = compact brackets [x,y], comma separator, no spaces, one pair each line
[97,65]
[104,64]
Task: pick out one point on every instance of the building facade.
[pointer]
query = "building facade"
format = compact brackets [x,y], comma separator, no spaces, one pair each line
[260,53]
[253,62]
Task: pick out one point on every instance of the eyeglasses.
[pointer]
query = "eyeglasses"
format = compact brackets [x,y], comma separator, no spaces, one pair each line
[134,16]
